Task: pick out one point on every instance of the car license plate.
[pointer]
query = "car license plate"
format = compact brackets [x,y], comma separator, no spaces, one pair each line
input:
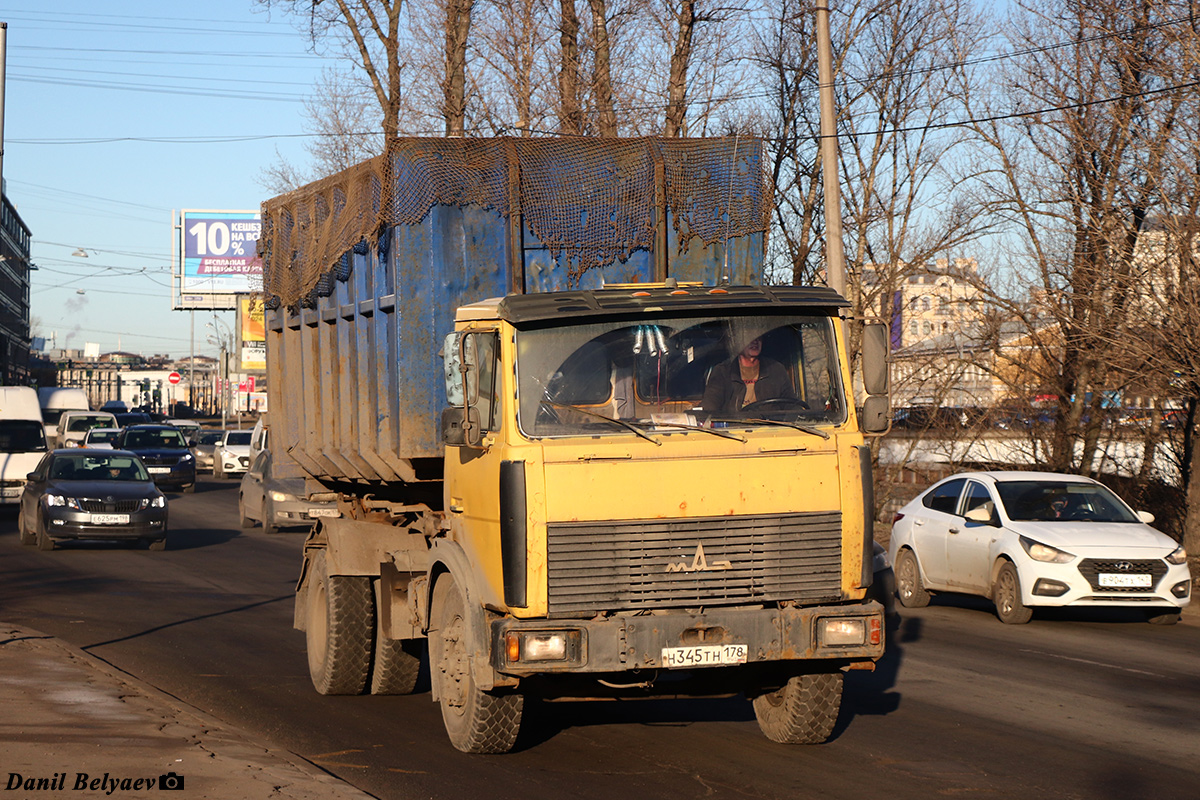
[158,470]
[1125,581]
[14,491]
[322,512]
[704,655]
[110,519]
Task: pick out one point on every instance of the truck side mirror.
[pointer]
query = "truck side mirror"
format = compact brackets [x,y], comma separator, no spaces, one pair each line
[452,369]
[461,429]
[876,375]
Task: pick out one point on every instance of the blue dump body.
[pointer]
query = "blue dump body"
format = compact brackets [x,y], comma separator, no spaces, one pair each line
[355,374]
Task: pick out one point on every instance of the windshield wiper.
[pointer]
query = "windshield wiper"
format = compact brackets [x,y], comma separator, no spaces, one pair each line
[800,426]
[682,426]
[626,425]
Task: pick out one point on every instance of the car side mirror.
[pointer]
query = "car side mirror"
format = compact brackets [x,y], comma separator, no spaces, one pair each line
[1146,517]
[981,514]
[32,476]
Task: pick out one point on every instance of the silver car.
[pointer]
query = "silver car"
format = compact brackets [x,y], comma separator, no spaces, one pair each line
[204,446]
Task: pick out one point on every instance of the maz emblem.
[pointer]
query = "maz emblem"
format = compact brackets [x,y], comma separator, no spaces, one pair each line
[699,564]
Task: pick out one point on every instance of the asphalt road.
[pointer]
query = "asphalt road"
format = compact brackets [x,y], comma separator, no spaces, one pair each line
[1069,706]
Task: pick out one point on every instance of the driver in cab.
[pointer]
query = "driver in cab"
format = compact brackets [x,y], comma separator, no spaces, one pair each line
[746,379]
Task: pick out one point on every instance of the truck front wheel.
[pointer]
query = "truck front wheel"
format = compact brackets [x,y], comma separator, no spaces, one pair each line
[341,628]
[802,711]
[476,721]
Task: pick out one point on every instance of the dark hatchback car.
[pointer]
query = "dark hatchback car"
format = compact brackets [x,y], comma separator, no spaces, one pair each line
[91,494]
[165,453]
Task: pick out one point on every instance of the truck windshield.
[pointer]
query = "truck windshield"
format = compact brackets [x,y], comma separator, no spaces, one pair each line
[674,373]
[21,436]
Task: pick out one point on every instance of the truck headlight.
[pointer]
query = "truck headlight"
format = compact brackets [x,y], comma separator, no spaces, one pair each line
[849,631]
[543,647]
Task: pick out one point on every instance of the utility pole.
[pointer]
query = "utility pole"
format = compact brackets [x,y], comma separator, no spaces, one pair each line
[835,257]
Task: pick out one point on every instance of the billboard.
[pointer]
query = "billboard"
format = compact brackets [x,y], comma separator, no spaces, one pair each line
[252,325]
[215,258]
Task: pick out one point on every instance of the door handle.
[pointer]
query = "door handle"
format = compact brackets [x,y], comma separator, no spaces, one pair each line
[954,530]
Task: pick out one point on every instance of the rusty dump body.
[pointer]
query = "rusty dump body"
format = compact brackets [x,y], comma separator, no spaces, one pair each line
[363,270]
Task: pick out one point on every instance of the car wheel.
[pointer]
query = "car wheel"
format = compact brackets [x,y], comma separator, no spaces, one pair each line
[27,536]
[1006,594]
[246,522]
[341,625]
[268,523]
[476,721]
[803,711]
[218,471]
[1157,617]
[44,542]
[190,488]
[909,586]
[156,544]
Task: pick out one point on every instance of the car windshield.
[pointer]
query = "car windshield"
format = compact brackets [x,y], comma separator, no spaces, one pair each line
[238,438]
[135,439]
[1061,501]
[101,436]
[22,436]
[209,437]
[84,423]
[735,371]
[97,467]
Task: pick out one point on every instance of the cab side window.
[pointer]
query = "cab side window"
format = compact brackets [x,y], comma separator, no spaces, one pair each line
[944,498]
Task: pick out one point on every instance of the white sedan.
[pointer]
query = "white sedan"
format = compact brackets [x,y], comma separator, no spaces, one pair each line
[1028,539]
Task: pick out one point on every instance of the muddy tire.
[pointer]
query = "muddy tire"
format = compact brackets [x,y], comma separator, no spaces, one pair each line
[476,721]
[156,544]
[803,711]
[341,629]
[1158,617]
[909,586]
[397,665]
[1006,594]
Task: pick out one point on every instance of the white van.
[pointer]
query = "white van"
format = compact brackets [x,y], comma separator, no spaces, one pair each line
[57,399]
[74,425]
[22,440]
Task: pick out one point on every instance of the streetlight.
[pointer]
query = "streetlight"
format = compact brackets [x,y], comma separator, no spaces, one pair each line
[224,340]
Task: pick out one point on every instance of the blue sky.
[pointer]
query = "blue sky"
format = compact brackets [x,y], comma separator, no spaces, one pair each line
[118,113]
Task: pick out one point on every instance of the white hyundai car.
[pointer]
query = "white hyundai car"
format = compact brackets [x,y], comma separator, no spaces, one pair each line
[1029,539]
[232,455]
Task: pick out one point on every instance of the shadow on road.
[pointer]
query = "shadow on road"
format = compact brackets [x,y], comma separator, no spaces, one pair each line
[874,693]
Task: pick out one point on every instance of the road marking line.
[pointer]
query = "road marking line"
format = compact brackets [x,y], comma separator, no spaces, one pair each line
[1097,664]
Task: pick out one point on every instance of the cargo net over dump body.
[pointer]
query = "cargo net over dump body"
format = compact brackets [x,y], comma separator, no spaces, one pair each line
[591,201]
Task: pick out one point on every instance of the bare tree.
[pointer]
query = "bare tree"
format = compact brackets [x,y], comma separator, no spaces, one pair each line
[602,82]
[570,109]
[1077,175]
[454,84]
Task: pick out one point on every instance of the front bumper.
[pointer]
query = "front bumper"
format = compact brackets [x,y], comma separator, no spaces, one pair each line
[70,524]
[1061,585]
[10,492]
[298,513]
[179,475]
[621,644]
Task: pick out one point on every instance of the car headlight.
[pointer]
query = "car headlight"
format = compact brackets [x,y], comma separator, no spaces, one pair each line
[280,497]
[1177,556]
[55,500]
[1045,553]
[185,457]
[158,502]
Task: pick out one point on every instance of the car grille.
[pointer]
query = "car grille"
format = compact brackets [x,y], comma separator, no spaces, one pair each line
[117,506]
[1091,568]
[160,461]
[648,564]
[11,484]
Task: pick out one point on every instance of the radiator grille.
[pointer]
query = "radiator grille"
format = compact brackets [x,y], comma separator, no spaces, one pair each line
[647,564]
[1091,568]
[117,506]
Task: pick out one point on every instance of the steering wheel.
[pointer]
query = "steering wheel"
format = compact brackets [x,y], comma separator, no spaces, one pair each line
[777,403]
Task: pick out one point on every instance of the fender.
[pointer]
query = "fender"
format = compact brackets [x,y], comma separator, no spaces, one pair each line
[446,557]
